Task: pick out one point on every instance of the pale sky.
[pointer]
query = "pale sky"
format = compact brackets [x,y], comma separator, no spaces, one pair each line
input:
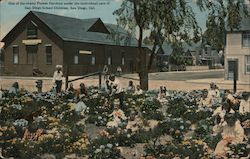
[11,14]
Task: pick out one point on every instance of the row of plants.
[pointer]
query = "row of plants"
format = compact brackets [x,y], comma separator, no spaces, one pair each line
[65,118]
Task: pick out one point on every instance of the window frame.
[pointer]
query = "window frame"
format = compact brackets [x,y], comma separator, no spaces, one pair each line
[93,60]
[15,53]
[32,31]
[247,64]
[49,54]
[109,60]
[246,35]
[123,58]
[76,60]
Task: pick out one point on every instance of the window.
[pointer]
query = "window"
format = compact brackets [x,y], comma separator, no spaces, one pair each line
[31,31]
[248,64]
[123,58]
[76,59]
[15,54]
[109,60]
[48,54]
[93,60]
[246,40]
[110,57]
[31,54]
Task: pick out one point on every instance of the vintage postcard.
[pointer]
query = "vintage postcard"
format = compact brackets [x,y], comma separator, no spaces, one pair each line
[124,79]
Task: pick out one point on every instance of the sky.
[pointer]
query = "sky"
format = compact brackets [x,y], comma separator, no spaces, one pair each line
[11,12]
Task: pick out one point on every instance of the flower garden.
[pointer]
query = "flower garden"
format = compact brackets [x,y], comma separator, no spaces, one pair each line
[146,128]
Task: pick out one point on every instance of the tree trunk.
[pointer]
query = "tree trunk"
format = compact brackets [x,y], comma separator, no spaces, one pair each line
[152,57]
[142,63]
[144,80]
[143,71]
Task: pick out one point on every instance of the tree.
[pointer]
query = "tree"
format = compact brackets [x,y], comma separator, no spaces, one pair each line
[164,20]
[222,16]
[177,56]
[131,14]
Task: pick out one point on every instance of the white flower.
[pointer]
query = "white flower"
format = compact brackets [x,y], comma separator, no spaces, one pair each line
[128,135]
[98,150]
[102,147]
[109,145]
[182,127]
[107,151]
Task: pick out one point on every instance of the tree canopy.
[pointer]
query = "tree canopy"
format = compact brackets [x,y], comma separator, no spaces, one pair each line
[222,16]
[174,21]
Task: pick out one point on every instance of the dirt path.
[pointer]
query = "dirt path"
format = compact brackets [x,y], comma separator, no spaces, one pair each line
[29,84]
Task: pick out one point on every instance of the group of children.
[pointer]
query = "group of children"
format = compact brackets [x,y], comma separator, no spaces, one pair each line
[230,117]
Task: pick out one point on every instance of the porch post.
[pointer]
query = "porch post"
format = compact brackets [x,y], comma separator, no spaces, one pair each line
[66,77]
[100,80]
[235,80]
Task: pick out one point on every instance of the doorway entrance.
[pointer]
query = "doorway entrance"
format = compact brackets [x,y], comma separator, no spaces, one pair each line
[232,66]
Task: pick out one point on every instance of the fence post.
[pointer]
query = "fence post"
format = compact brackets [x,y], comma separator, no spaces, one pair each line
[66,77]
[100,80]
[39,85]
[235,81]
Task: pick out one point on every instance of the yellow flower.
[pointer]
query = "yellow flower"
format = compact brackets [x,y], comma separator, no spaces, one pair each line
[53,119]
[72,106]
[12,128]
[199,142]
[45,137]
[186,142]
[4,128]
[13,141]
[54,123]
[66,134]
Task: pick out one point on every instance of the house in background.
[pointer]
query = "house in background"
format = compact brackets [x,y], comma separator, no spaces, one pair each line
[207,56]
[40,41]
[162,57]
[196,53]
[237,52]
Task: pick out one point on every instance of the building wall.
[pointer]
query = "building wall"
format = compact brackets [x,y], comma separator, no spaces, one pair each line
[24,69]
[101,54]
[235,51]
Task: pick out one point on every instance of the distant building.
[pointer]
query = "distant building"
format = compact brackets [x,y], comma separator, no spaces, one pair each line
[40,41]
[237,52]
[196,53]
[207,56]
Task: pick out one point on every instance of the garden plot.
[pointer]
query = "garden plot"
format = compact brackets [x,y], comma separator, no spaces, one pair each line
[148,127]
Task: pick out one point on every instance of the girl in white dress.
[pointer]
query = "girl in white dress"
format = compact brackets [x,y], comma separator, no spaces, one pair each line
[232,133]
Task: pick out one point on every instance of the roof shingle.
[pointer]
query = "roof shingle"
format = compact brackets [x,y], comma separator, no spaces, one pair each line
[73,29]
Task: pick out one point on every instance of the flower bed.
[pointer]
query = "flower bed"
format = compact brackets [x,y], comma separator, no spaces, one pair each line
[64,120]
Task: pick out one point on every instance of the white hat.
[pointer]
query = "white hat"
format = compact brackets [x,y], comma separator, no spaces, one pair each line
[58,66]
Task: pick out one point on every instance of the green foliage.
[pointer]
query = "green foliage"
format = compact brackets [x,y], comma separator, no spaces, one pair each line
[173,21]
[238,151]
[103,148]
[175,127]
[177,56]
[222,16]
[191,149]
[150,109]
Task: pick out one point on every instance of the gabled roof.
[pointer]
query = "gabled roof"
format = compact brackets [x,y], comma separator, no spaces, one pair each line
[167,48]
[79,30]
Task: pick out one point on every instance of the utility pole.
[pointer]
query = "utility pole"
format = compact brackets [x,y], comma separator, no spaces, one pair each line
[235,79]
